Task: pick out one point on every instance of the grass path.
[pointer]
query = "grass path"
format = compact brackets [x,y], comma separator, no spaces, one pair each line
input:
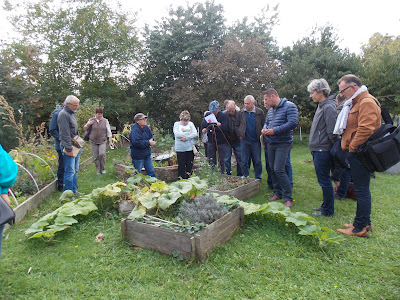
[265,260]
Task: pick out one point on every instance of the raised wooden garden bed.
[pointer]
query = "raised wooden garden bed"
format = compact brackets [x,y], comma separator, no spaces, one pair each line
[245,190]
[190,246]
[167,174]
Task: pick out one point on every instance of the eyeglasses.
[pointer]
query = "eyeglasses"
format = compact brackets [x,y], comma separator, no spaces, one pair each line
[342,91]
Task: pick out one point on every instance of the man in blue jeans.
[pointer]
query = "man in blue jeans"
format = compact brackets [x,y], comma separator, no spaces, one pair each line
[68,128]
[141,140]
[321,141]
[248,128]
[282,118]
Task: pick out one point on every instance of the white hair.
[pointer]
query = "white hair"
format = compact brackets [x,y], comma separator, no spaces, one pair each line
[69,99]
[251,98]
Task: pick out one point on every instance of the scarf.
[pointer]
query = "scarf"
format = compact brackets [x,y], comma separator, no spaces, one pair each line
[341,121]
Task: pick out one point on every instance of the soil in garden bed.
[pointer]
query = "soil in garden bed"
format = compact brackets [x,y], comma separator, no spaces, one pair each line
[231,182]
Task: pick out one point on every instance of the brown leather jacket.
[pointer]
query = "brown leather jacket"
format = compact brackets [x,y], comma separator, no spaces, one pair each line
[364,119]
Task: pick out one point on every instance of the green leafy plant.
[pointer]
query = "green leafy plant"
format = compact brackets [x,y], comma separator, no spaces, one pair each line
[307,225]
[60,219]
[203,209]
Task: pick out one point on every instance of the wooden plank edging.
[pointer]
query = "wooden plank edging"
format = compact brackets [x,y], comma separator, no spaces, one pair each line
[33,201]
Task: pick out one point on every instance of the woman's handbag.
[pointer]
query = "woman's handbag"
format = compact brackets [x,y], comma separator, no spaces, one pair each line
[7,215]
[87,133]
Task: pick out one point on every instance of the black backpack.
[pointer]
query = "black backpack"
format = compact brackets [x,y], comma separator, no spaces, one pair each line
[382,150]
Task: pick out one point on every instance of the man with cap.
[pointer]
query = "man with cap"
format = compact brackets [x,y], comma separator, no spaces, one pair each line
[141,140]
[216,129]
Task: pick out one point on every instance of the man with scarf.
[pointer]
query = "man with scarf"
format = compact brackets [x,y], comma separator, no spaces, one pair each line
[358,120]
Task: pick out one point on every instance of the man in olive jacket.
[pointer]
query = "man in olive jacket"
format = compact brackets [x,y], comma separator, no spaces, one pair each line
[248,128]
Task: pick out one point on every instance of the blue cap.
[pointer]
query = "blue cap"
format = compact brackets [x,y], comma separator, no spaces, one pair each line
[214,105]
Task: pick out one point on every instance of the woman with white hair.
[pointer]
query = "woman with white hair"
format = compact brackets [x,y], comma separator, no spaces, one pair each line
[322,140]
[185,134]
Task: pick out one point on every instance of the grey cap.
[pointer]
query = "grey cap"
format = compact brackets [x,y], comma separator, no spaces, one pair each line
[139,116]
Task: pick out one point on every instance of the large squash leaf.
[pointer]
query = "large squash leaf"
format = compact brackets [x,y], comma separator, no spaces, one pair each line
[165,200]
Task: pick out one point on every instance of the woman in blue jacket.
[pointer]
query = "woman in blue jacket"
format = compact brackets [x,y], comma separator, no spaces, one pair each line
[141,140]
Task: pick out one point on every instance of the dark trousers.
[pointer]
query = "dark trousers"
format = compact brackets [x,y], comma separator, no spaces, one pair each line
[277,157]
[60,169]
[185,164]
[361,179]
[219,150]
[288,168]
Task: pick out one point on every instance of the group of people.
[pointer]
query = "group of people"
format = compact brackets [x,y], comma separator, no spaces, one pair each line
[348,118]
[244,133]
[64,128]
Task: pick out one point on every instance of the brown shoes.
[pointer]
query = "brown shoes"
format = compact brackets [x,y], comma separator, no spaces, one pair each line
[349,231]
[288,203]
[274,198]
[369,228]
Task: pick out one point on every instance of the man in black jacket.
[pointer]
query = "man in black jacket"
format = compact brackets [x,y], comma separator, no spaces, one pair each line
[233,139]
[216,129]
[53,128]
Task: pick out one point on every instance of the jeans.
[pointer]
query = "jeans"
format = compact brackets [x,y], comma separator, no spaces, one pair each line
[185,163]
[71,168]
[361,178]
[238,155]
[322,164]
[60,169]
[221,149]
[344,184]
[288,168]
[1,237]
[253,149]
[147,163]
[277,157]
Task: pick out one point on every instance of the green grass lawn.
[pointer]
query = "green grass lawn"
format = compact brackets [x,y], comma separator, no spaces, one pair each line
[266,260]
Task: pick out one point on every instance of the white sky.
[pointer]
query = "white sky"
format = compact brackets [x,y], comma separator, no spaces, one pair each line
[354,20]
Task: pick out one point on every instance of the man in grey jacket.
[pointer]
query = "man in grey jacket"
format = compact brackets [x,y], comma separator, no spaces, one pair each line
[68,128]
[322,140]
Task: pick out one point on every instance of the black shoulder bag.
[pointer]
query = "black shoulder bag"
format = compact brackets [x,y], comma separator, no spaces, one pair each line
[7,215]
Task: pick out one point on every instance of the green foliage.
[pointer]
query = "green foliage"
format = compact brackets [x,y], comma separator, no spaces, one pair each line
[61,218]
[87,110]
[203,209]
[173,44]
[381,62]
[306,224]
[313,57]
[159,194]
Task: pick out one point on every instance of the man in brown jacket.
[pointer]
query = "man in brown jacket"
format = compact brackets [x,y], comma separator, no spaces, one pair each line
[363,119]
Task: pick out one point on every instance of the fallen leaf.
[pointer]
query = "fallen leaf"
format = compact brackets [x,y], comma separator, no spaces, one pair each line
[135,248]
[99,237]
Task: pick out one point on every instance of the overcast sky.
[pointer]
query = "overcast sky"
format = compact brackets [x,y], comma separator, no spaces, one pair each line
[354,20]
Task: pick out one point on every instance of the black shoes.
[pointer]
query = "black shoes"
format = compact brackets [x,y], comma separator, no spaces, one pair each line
[321,214]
